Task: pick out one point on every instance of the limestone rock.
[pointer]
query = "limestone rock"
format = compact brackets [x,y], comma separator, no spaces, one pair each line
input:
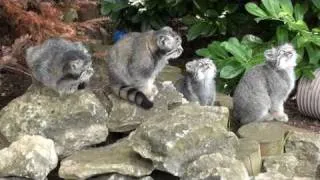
[125,116]
[115,158]
[3,142]
[306,148]
[224,100]
[170,73]
[120,177]
[284,164]
[31,157]
[269,134]
[216,166]
[249,153]
[279,176]
[71,121]
[271,176]
[174,139]
[15,178]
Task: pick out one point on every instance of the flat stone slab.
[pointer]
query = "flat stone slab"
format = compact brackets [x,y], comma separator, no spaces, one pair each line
[116,158]
[269,134]
[174,139]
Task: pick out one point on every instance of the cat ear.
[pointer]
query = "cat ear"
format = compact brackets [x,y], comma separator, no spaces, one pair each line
[269,54]
[162,40]
[167,28]
[189,66]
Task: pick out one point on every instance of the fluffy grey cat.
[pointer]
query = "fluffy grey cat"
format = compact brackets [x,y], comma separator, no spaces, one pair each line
[135,61]
[262,90]
[198,84]
[60,64]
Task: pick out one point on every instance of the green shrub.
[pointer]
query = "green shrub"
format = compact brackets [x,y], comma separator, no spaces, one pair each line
[233,58]
[203,18]
[293,29]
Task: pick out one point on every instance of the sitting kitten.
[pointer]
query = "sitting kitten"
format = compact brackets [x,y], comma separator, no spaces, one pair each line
[62,65]
[135,61]
[262,90]
[199,84]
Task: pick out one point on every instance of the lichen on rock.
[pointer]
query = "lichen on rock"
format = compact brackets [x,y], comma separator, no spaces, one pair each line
[116,158]
[174,139]
[71,121]
[30,157]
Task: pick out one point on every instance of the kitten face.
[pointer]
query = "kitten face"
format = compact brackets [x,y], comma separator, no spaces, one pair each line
[201,68]
[282,57]
[76,62]
[169,41]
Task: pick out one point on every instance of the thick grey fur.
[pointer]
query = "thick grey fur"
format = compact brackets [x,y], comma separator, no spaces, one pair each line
[261,92]
[198,85]
[135,61]
[60,64]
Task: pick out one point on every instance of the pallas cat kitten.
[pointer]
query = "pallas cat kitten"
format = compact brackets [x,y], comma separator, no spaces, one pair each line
[261,92]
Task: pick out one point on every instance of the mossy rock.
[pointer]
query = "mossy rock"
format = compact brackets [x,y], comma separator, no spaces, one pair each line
[270,136]
[249,153]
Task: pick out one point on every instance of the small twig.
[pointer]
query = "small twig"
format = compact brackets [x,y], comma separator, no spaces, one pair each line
[96,20]
[21,70]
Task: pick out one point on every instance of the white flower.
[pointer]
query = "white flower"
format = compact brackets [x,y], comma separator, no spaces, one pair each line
[137,2]
[223,14]
[142,9]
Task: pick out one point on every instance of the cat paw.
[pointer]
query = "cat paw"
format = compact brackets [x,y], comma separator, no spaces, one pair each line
[282,117]
[86,75]
[154,90]
[268,117]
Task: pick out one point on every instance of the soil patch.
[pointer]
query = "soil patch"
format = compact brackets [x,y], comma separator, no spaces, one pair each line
[12,85]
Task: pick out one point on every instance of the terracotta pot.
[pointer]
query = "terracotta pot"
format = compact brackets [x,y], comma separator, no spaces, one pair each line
[308,96]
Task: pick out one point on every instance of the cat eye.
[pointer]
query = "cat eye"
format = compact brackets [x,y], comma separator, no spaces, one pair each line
[288,53]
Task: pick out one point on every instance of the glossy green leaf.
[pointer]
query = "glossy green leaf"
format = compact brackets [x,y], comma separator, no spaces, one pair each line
[287,6]
[203,52]
[272,6]
[251,40]
[313,54]
[231,70]
[189,20]
[315,38]
[196,30]
[282,35]
[201,28]
[236,49]
[217,51]
[252,8]
[299,11]
[211,13]
[308,74]
[106,8]
[316,3]
[299,25]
